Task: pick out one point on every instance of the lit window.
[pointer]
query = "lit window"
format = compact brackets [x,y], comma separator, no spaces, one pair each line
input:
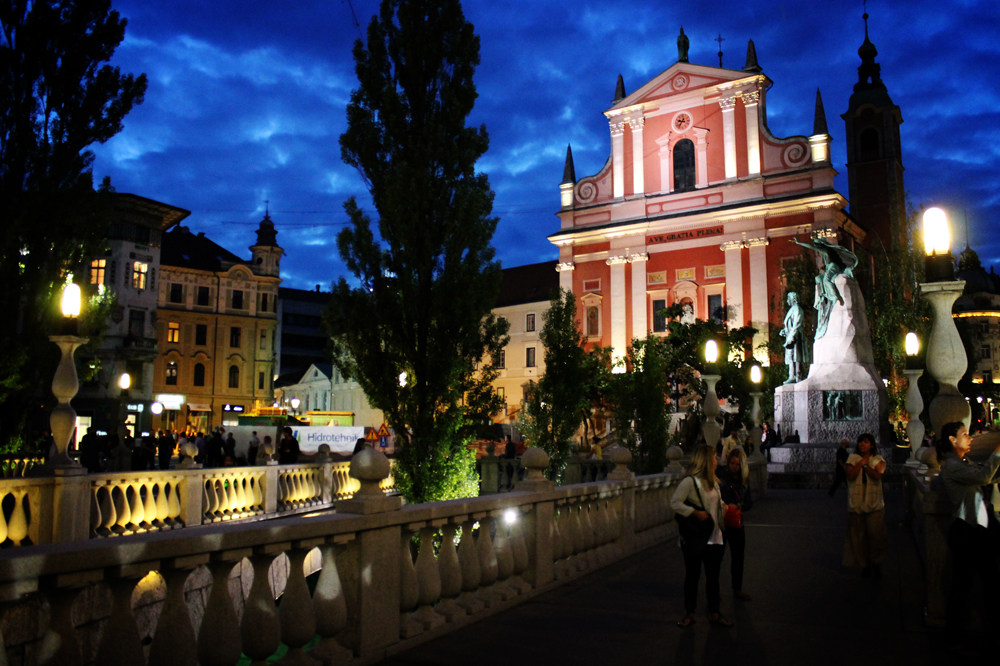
[593,322]
[501,393]
[173,332]
[139,272]
[97,269]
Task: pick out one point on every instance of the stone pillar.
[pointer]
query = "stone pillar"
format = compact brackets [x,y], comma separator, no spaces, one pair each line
[565,270]
[638,180]
[734,283]
[701,156]
[618,158]
[946,360]
[71,507]
[489,474]
[728,106]
[759,315]
[750,103]
[271,476]
[639,326]
[619,343]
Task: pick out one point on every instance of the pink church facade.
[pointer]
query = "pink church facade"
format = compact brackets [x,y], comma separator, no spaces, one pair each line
[696,204]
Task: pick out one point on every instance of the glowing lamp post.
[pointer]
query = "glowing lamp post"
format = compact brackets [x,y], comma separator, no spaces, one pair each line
[710,428]
[65,385]
[946,359]
[295,406]
[914,403]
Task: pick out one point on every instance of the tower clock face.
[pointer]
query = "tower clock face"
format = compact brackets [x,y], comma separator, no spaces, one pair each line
[682,122]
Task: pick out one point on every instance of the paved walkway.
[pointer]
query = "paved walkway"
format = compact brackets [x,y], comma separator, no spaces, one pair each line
[807,609]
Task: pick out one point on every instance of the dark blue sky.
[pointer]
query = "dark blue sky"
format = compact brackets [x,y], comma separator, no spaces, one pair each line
[246,103]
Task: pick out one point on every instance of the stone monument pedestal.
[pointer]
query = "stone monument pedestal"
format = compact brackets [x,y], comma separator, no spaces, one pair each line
[843,396]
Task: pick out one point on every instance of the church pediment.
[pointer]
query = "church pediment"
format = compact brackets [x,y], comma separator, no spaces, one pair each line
[681,78]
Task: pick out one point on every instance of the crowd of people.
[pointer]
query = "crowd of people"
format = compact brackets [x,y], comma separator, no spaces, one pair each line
[109,453]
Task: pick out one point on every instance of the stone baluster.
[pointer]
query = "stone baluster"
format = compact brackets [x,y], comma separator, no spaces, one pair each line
[562,567]
[587,524]
[468,559]
[95,514]
[428,578]
[597,523]
[175,643]
[108,515]
[58,646]
[330,606]
[260,631]
[557,539]
[174,504]
[241,496]
[124,514]
[409,589]
[487,561]
[450,574]
[581,560]
[120,643]
[162,506]
[298,619]
[505,558]
[219,641]
[519,551]
[137,510]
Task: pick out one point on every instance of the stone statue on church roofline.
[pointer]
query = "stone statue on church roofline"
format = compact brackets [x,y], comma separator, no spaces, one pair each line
[683,44]
[836,260]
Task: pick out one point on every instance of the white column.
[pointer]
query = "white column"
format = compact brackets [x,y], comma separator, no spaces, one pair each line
[638,179]
[729,135]
[618,159]
[758,290]
[701,157]
[565,270]
[619,343]
[665,161]
[639,326]
[734,282]
[750,102]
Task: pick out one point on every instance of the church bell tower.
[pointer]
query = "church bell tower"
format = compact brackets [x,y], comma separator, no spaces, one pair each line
[266,252]
[874,158]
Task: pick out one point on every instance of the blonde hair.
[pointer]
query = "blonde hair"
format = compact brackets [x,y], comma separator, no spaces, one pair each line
[744,467]
[700,464]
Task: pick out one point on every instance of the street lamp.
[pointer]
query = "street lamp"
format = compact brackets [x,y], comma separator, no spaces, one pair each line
[65,384]
[755,377]
[295,406]
[710,428]
[946,359]
[914,403]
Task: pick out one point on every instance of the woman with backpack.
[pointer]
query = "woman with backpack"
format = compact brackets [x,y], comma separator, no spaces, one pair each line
[698,507]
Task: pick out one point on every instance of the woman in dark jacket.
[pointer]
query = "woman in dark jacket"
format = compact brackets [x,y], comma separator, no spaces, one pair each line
[734,480]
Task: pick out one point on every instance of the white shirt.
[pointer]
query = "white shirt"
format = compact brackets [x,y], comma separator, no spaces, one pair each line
[864,493]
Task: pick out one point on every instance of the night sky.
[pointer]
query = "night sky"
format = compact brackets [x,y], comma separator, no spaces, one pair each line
[246,103]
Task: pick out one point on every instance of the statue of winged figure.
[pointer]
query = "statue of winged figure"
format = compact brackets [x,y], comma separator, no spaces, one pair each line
[837,260]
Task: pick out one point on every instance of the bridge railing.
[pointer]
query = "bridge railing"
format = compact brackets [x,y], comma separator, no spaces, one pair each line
[386,576]
[60,508]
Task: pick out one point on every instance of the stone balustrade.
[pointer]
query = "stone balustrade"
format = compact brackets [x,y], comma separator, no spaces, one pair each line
[386,576]
[501,475]
[62,508]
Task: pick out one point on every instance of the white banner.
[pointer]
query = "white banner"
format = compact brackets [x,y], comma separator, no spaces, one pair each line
[341,439]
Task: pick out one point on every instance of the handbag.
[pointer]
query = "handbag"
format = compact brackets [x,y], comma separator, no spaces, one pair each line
[693,530]
[733,515]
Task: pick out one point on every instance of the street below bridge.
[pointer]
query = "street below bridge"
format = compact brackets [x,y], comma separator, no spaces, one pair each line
[807,609]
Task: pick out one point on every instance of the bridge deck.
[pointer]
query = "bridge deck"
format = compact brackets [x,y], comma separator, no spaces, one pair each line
[806,609]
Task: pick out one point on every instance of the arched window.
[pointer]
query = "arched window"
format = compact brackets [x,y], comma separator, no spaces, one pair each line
[593,321]
[868,144]
[199,374]
[234,377]
[684,166]
[171,373]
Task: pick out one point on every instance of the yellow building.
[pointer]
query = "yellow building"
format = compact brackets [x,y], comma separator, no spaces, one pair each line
[216,329]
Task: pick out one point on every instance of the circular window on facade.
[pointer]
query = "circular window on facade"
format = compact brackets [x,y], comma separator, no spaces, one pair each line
[682,121]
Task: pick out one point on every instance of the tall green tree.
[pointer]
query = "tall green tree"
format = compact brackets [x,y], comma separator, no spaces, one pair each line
[424,286]
[557,405]
[57,98]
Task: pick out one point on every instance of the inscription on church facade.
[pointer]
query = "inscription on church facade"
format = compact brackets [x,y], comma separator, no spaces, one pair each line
[690,234]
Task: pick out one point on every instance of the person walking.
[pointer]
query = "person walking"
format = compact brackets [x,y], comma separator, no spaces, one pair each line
[288,448]
[865,544]
[698,503]
[840,469]
[164,448]
[973,547]
[734,481]
[253,448]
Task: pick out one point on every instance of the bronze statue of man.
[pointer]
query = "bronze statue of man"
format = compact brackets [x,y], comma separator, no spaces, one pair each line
[683,43]
[794,339]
